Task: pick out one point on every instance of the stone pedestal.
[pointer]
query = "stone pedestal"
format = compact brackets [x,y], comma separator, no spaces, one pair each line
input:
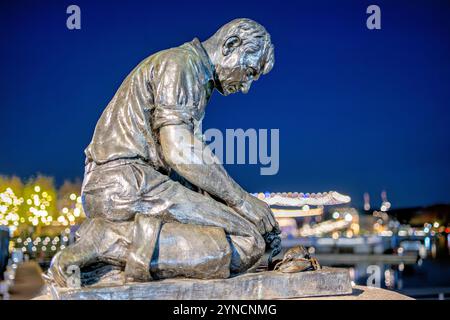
[364,293]
[252,286]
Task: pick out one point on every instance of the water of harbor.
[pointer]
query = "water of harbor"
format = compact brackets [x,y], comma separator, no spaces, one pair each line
[426,278]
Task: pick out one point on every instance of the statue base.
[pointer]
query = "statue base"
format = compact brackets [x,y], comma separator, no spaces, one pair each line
[250,286]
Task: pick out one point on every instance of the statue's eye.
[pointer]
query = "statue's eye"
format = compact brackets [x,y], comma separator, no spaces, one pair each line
[251,72]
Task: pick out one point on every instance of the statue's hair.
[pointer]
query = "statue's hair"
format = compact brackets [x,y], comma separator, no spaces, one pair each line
[254,37]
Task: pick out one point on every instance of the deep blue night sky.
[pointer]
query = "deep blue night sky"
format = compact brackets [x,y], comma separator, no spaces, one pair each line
[358,110]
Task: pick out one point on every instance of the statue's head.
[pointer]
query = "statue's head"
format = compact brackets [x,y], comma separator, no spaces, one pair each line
[242,52]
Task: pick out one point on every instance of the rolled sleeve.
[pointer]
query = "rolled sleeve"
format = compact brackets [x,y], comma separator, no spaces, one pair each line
[171,115]
[177,95]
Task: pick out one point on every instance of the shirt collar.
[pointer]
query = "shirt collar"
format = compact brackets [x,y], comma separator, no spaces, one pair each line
[200,50]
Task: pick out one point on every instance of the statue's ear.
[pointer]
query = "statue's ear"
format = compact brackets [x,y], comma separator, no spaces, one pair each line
[229,45]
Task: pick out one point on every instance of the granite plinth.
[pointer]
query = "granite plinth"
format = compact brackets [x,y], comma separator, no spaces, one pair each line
[252,286]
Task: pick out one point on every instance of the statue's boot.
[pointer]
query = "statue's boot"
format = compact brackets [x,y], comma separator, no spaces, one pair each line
[99,240]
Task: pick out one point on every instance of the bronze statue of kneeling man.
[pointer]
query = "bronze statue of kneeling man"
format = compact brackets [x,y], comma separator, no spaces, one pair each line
[155,208]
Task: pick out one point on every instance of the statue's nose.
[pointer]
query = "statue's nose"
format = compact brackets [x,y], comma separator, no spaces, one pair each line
[245,87]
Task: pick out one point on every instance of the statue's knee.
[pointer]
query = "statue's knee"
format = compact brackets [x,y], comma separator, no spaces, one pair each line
[110,205]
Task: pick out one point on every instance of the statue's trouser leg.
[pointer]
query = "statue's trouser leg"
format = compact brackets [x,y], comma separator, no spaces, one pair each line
[193,208]
[117,191]
[146,230]
[178,250]
[186,250]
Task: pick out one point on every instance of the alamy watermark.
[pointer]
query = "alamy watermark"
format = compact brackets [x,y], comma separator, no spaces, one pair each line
[374,278]
[73,21]
[236,146]
[74,277]
[373,22]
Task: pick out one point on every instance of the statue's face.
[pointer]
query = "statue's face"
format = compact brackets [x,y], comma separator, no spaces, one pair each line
[237,71]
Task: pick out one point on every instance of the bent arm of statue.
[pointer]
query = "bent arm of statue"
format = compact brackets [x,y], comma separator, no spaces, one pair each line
[187,155]
[193,160]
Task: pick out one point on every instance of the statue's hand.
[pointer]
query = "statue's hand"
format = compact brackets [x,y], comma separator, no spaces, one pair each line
[257,212]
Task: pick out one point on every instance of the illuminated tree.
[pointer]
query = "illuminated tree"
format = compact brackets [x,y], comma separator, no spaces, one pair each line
[10,202]
[69,204]
[39,207]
